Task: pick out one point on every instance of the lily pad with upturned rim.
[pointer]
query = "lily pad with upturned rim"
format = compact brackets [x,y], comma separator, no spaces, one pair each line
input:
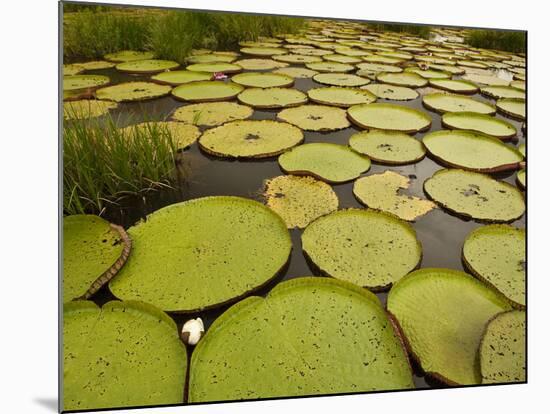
[362,246]
[212,113]
[512,107]
[315,336]
[521,178]
[407,79]
[479,122]
[391,92]
[262,80]
[179,77]
[260,64]
[388,147]
[475,195]
[330,67]
[133,91]
[455,85]
[72,69]
[272,98]
[263,51]
[96,65]
[443,102]
[315,117]
[181,265]
[211,58]
[128,56]
[80,82]
[214,67]
[297,59]
[207,91]
[87,108]
[442,314]
[149,66]
[340,96]
[485,79]
[389,117]
[429,73]
[298,73]
[378,68]
[498,92]
[340,79]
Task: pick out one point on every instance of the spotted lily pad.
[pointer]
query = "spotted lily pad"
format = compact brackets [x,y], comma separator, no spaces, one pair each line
[272,98]
[87,108]
[475,195]
[381,192]
[263,51]
[133,91]
[407,79]
[496,255]
[499,92]
[315,117]
[362,246]
[299,200]
[128,56]
[443,102]
[442,314]
[96,65]
[178,77]
[312,335]
[212,113]
[298,73]
[181,264]
[512,107]
[215,67]
[330,67]
[182,135]
[148,66]
[339,96]
[211,58]
[471,151]
[479,122]
[293,58]
[262,80]
[375,68]
[388,147]
[391,92]
[454,85]
[79,82]
[502,353]
[340,79]
[260,64]
[111,355]
[389,117]
[207,91]
[72,69]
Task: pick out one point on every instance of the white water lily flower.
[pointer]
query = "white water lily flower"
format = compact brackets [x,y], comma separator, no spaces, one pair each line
[192,331]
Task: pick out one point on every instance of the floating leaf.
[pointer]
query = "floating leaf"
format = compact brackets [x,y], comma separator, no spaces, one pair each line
[315,117]
[391,92]
[341,58]
[207,91]
[181,264]
[178,77]
[443,102]
[211,58]
[263,51]
[454,85]
[293,58]
[133,91]
[330,67]
[479,122]
[87,108]
[390,117]
[365,247]
[522,179]
[182,135]
[212,113]
[312,335]
[499,92]
[272,98]
[128,56]
[148,66]
[215,67]
[340,79]
[388,147]
[79,82]
[406,79]
[73,69]
[260,64]
[298,73]
[341,97]
[262,80]
[96,65]
[375,68]
[513,107]
[442,314]
[429,74]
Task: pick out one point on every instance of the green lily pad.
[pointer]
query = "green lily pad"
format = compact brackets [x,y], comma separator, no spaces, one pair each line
[262,80]
[523,149]
[381,192]
[442,314]
[212,113]
[406,79]
[181,264]
[260,64]
[128,56]
[133,91]
[215,67]
[250,139]
[522,178]
[376,68]
[312,335]
[330,67]
[299,200]
[96,65]
[391,92]
[428,73]
[388,147]
[389,117]
[179,77]
[471,64]
[454,85]
[148,66]
[293,58]
[93,252]
[263,51]
[340,79]
[311,51]
[272,98]
[332,163]
[471,151]
[479,122]
[475,195]
[512,107]
[211,58]
[502,353]
[496,255]
[454,70]
[385,60]
[518,84]
[342,58]
[298,73]
[207,91]
[339,96]
[87,108]
[443,102]
[485,79]
[72,69]
[79,82]
[362,246]
[124,354]
[182,135]
[499,92]
[315,117]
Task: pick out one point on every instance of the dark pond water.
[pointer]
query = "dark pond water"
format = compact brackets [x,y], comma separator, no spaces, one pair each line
[440,233]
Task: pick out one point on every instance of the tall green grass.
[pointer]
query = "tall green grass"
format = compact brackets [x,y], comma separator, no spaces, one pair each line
[413,29]
[497,39]
[103,165]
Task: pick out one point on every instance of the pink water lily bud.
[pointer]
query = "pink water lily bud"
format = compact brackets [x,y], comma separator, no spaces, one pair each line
[219,76]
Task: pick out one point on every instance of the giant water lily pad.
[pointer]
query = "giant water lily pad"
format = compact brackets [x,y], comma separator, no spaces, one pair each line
[330,162]
[391,92]
[263,51]
[362,246]
[72,69]
[428,73]
[148,66]
[471,151]
[330,67]
[443,314]
[272,98]
[522,178]
[215,67]
[342,58]
[262,80]
[454,85]
[388,147]
[178,77]
[87,108]
[339,96]
[182,135]
[309,336]
[93,252]
[96,65]
[496,254]
[315,117]
[407,79]
[299,200]
[513,107]
[79,82]
[340,79]
[381,192]
[499,92]
[375,68]
[260,64]
[479,122]
[502,353]
[250,139]
[385,60]
[207,91]
[443,102]
[293,58]
[298,73]
[124,354]
[181,264]
[389,117]
[212,113]
[475,195]
[133,91]
[485,79]
[128,56]
[211,58]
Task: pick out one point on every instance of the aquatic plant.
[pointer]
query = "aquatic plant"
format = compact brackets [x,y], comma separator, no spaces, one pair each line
[498,39]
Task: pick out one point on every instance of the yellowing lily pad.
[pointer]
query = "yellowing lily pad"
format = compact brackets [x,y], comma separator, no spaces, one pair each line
[298,73]
[87,108]
[96,65]
[455,85]
[315,117]
[148,66]
[389,117]
[407,79]
[391,92]
[207,91]
[293,58]
[485,79]
[443,102]
[272,98]
[330,67]
[215,67]
[72,69]
[262,80]
[212,113]
[260,64]
[339,96]
[263,51]
[499,92]
[512,107]
[388,147]
[178,77]
[133,91]
[340,79]
[479,122]
[79,82]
